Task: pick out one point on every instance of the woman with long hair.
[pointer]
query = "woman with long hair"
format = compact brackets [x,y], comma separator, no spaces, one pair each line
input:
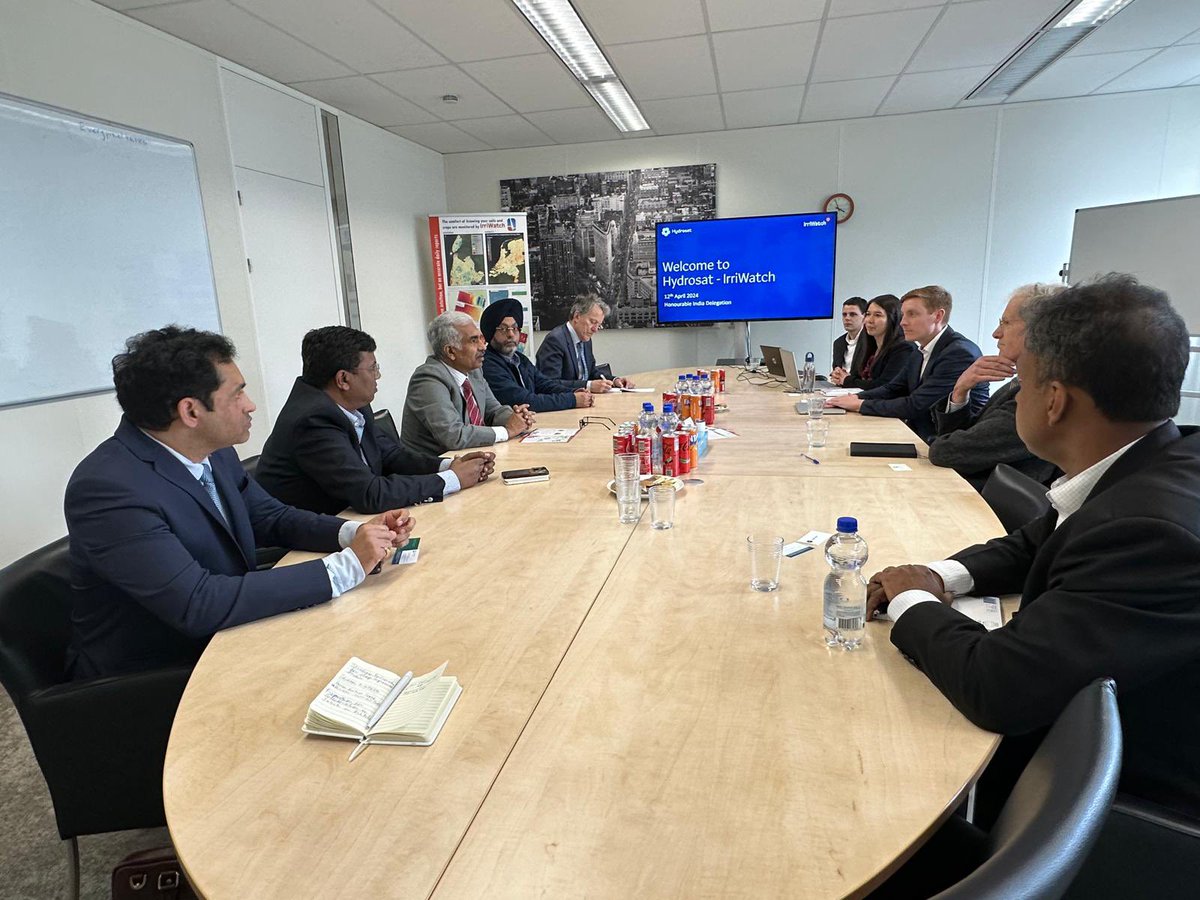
[887,351]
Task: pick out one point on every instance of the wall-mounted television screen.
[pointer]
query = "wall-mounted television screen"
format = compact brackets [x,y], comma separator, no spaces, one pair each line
[746,269]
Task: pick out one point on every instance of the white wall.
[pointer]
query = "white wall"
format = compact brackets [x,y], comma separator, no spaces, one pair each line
[84,57]
[980,200]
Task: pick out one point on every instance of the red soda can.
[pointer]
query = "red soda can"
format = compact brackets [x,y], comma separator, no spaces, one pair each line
[670,451]
[643,451]
[719,381]
[710,409]
[684,452]
[623,442]
[673,399]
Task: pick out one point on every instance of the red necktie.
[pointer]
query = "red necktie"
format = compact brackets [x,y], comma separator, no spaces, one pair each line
[474,416]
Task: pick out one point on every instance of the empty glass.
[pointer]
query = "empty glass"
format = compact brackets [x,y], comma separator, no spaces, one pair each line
[628,488]
[816,406]
[766,558]
[818,432]
[662,507]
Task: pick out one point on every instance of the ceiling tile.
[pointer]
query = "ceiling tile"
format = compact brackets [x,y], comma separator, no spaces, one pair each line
[362,97]
[730,15]
[862,7]
[1167,68]
[683,115]
[352,31]
[530,83]
[426,87]
[452,27]
[933,90]
[981,34]
[440,136]
[229,32]
[620,21]
[844,99]
[652,70]
[1146,23]
[765,57]
[1073,76]
[770,106]
[125,5]
[505,132]
[573,126]
[865,46]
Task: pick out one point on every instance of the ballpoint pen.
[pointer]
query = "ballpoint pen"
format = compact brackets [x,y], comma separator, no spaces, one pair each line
[815,462]
[395,692]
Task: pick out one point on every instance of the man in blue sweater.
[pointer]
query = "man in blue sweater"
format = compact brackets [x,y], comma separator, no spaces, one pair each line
[511,375]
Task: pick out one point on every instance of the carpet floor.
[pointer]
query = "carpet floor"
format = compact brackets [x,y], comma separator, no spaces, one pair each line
[33,859]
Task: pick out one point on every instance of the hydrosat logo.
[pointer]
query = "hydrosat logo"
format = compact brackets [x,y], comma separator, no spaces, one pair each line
[666,232]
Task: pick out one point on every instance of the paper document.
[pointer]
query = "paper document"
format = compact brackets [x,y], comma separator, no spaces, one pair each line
[624,390]
[984,610]
[840,392]
[717,434]
[549,435]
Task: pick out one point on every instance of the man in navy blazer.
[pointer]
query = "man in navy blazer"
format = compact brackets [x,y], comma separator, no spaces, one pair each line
[325,453]
[163,520]
[930,376]
[1108,577]
[566,351]
[511,375]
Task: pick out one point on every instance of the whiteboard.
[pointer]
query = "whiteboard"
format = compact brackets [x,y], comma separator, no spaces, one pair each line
[101,236]
[1157,240]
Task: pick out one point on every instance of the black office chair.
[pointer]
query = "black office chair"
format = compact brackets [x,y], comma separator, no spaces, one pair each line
[1048,825]
[264,557]
[386,424]
[1143,851]
[100,743]
[1014,497]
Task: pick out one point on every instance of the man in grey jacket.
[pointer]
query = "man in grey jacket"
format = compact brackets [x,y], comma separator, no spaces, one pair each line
[974,444]
[449,404]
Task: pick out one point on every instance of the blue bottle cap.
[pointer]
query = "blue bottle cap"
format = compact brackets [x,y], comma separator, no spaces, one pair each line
[668,407]
[648,407]
[847,524]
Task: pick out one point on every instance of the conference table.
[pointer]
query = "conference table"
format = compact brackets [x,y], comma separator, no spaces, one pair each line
[635,720]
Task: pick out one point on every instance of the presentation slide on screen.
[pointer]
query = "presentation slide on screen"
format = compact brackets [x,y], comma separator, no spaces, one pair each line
[766,267]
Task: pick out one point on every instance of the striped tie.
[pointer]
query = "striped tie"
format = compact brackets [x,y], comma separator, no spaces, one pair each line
[474,416]
[210,487]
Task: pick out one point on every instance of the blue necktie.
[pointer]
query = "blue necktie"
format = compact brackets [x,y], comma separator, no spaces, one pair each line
[210,487]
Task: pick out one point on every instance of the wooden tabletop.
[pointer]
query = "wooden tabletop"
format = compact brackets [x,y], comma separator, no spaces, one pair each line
[635,720]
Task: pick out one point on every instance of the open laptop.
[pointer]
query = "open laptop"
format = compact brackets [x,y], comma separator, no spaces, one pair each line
[782,364]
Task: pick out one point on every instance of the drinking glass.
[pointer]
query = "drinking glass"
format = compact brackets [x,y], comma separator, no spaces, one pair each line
[818,432]
[766,558]
[628,488]
[662,506]
[816,406]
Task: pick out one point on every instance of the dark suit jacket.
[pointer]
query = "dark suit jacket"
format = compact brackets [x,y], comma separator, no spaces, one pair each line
[911,396]
[1114,591]
[156,569]
[556,358]
[891,363]
[975,443]
[312,460]
[523,383]
[860,353]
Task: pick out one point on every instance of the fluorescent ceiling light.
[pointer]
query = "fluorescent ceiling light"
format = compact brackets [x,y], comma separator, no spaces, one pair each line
[560,26]
[1062,32]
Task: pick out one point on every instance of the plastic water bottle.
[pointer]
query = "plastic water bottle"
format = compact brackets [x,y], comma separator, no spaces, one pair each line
[845,588]
[808,380]
[688,399]
[669,421]
[681,388]
[646,419]
[708,399]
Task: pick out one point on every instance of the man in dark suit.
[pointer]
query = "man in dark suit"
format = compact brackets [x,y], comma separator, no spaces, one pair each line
[850,349]
[512,375]
[164,521]
[945,354]
[325,452]
[1109,577]
[449,404]
[566,352]
[975,443]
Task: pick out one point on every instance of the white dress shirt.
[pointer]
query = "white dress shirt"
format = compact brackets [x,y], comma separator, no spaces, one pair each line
[344,569]
[359,421]
[459,378]
[927,350]
[848,361]
[1066,495]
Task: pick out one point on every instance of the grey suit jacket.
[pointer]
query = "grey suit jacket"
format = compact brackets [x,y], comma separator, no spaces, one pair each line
[973,445]
[435,413]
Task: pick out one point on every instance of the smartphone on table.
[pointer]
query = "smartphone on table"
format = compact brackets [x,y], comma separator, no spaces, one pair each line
[524,476]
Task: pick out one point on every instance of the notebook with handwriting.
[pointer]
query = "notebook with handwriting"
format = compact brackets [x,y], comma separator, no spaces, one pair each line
[374,706]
